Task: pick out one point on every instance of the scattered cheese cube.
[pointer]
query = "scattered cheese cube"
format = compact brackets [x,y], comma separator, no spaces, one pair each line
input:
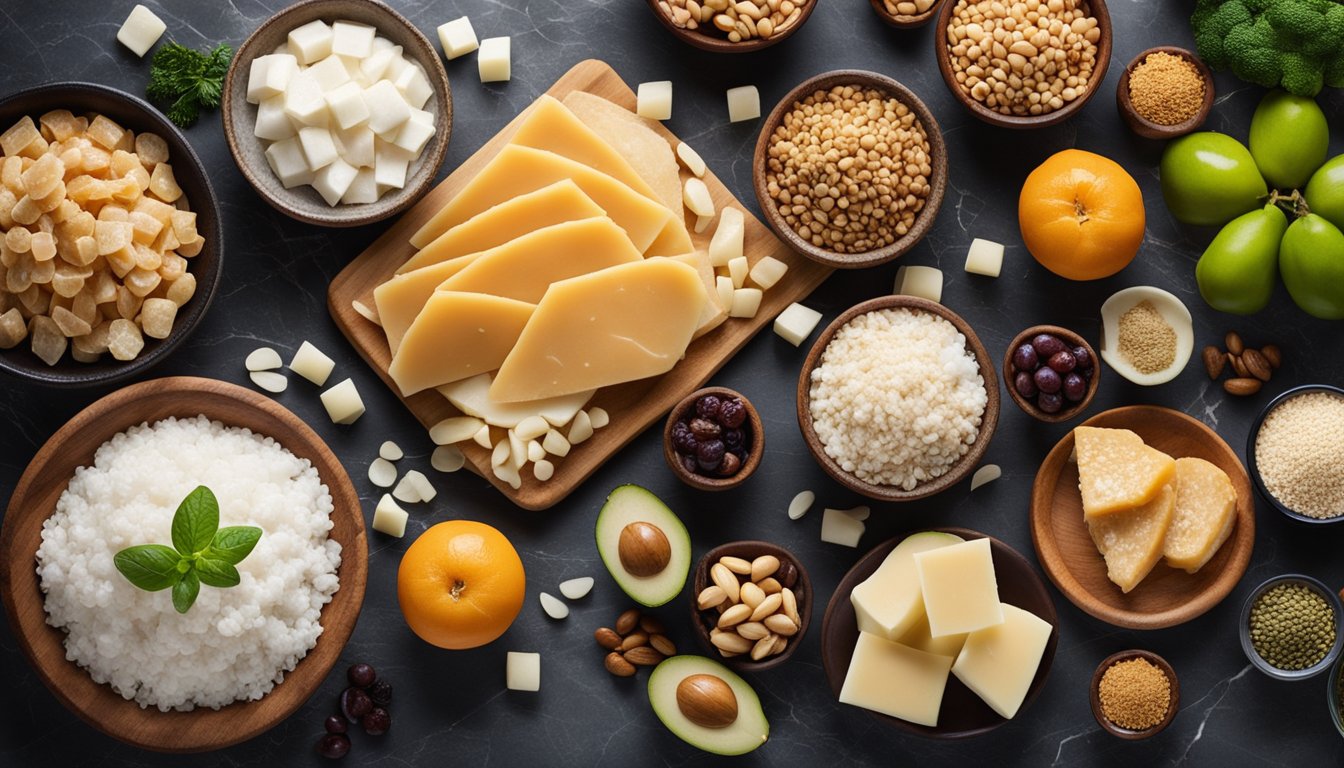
[727,243]
[839,528]
[737,270]
[390,166]
[746,302]
[654,100]
[387,109]
[998,663]
[141,30]
[522,671]
[985,257]
[312,364]
[288,163]
[697,198]
[924,282]
[311,42]
[346,104]
[389,518]
[744,103]
[494,63]
[691,159]
[457,38]
[796,323]
[351,39]
[376,64]
[414,134]
[724,287]
[334,179]
[269,75]
[895,680]
[318,149]
[961,593]
[343,403]
[273,123]
[768,271]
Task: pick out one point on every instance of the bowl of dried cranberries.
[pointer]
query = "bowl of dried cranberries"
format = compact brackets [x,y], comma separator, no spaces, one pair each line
[713,439]
[1051,373]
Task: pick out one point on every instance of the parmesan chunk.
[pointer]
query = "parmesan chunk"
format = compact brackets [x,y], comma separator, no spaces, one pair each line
[1206,505]
[1132,540]
[1117,472]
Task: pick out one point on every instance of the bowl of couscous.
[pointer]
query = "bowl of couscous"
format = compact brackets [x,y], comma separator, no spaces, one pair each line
[1293,453]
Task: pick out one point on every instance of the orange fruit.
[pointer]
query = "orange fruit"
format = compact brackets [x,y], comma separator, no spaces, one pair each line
[1081,215]
[460,584]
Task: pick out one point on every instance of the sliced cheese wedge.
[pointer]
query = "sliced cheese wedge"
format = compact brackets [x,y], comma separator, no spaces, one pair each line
[457,335]
[1117,471]
[636,139]
[525,267]
[623,323]
[517,170]
[895,680]
[1206,505]
[400,299]
[472,397]
[890,601]
[920,638]
[714,313]
[1131,541]
[553,204]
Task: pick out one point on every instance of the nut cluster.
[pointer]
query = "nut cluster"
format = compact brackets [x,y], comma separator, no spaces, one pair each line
[1023,58]
[1251,368]
[849,169]
[756,605]
[738,21]
[637,640]
[907,7]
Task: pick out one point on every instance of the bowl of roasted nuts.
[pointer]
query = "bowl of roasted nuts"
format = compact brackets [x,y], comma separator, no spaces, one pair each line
[751,603]
[713,439]
[732,26]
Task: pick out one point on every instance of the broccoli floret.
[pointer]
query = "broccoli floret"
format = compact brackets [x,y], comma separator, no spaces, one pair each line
[1333,74]
[1288,43]
[1302,75]
[1262,66]
[1296,21]
[1217,22]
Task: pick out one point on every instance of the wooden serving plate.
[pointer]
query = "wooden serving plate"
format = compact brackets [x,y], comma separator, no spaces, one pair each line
[963,713]
[1168,596]
[633,406]
[35,498]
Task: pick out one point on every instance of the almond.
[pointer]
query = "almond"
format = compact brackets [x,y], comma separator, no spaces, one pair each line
[1273,355]
[634,640]
[710,597]
[752,630]
[763,647]
[707,701]
[726,581]
[607,638]
[643,656]
[618,666]
[769,585]
[768,606]
[734,616]
[652,626]
[764,566]
[1233,343]
[663,645]
[627,621]
[752,594]
[1214,362]
[781,624]
[1241,386]
[1256,364]
[731,642]
[1238,365]
[736,565]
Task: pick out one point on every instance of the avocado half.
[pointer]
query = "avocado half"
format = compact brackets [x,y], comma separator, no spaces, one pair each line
[633,504]
[749,731]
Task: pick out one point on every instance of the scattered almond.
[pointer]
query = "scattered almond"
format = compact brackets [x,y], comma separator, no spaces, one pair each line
[1214,362]
[652,626]
[607,638]
[1242,386]
[643,656]
[1273,355]
[1233,343]
[1238,365]
[1257,364]
[663,645]
[627,621]
[618,666]
[633,640]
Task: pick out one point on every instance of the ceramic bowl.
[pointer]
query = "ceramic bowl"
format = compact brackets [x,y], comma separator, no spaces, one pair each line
[1070,410]
[1147,128]
[1244,628]
[755,446]
[1130,734]
[1254,467]
[798,582]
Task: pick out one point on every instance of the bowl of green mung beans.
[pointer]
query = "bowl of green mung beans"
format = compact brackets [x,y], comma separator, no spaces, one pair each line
[1292,627]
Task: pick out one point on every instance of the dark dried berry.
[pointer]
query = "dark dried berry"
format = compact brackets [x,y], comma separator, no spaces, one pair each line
[689,464]
[1049,402]
[333,745]
[361,675]
[733,439]
[704,429]
[1047,345]
[381,693]
[355,704]
[730,465]
[1082,357]
[732,413]
[710,455]
[685,443]
[335,724]
[1047,380]
[1062,362]
[1024,358]
[377,722]
[707,407]
[1074,387]
[1025,384]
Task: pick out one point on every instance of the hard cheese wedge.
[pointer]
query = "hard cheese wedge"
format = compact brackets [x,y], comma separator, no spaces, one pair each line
[637,141]
[961,592]
[998,663]
[919,638]
[400,299]
[1132,541]
[620,324]
[890,601]
[472,397]
[1206,505]
[714,313]
[1116,471]
[517,170]
[554,204]
[457,335]
[895,680]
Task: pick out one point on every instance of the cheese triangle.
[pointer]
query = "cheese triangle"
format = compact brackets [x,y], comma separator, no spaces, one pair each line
[456,336]
[1131,541]
[400,299]
[714,313]
[1117,471]
[1206,505]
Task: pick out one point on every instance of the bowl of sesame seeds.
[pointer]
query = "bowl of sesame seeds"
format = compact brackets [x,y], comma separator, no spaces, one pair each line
[1293,453]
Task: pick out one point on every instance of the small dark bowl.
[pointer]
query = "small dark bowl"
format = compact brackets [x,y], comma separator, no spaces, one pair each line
[1070,410]
[1244,628]
[904,21]
[1127,733]
[719,43]
[1147,128]
[704,620]
[937,156]
[137,115]
[943,54]
[1254,468]
[755,449]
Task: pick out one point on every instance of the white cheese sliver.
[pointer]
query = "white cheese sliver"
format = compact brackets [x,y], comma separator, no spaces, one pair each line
[270,381]
[578,588]
[800,504]
[986,474]
[382,473]
[263,359]
[390,451]
[447,458]
[553,606]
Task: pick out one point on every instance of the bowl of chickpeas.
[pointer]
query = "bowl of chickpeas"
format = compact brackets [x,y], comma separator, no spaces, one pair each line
[110,236]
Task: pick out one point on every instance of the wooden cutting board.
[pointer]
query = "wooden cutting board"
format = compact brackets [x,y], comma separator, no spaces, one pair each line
[633,406]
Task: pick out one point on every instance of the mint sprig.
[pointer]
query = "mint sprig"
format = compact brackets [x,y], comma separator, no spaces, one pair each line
[202,553]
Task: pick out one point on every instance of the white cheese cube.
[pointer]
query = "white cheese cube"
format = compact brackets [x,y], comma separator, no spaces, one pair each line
[999,663]
[363,190]
[555,444]
[414,86]
[726,244]
[390,165]
[494,62]
[457,38]
[288,163]
[691,159]
[352,69]
[273,122]
[346,104]
[768,271]
[256,80]
[355,146]
[796,323]
[304,100]
[381,44]
[141,30]
[395,67]
[312,364]
[387,109]
[581,429]
[697,198]
[737,270]
[746,302]
[318,148]
[924,282]
[961,591]
[985,257]
[895,680]
[375,66]
[389,518]
[413,136]
[522,671]
[351,39]
[311,42]
[270,75]
[724,287]
[343,403]
[743,104]
[334,179]
[654,100]
[330,73]
[840,528]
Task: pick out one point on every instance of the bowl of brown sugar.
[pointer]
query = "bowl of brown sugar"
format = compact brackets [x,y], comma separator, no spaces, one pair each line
[1134,694]
[1165,92]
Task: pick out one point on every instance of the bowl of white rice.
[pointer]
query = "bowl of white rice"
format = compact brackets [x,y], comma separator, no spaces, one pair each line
[242,658]
[898,399]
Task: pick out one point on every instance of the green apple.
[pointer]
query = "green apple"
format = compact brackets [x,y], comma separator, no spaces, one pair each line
[1237,272]
[1311,259]
[1289,139]
[1325,191]
[1210,178]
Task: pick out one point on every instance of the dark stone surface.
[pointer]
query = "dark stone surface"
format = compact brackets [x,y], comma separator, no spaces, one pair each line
[451,707]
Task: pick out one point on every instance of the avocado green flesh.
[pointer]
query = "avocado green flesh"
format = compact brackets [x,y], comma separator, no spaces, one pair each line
[749,731]
[633,504]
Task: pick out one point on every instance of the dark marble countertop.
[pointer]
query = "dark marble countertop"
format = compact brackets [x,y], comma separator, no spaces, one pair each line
[452,708]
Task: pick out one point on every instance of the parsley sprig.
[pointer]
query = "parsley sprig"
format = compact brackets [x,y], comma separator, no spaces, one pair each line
[183,81]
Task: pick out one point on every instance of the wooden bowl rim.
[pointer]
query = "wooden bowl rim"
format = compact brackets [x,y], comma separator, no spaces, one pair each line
[151,729]
[802,589]
[1074,340]
[1094,694]
[872,560]
[343,215]
[1147,128]
[1253,466]
[716,44]
[1242,539]
[1244,623]
[964,467]
[902,21]
[1099,12]
[757,448]
[937,153]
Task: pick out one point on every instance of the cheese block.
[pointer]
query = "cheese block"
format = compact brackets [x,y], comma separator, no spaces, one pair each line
[1116,471]
[455,336]
[517,170]
[919,638]
[472,397]
[553,204]
[890,601]
[1131,541]
[714,313]
[960,589]
[401,298]
[1206,506]
[895,680]
[636,139]
[623,323]
[525,267]
[998,663]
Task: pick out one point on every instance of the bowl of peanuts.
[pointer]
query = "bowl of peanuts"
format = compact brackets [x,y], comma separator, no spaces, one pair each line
[751,604]
[112,244]
[1022,65]
[732,26]
[850,169]
[906,14]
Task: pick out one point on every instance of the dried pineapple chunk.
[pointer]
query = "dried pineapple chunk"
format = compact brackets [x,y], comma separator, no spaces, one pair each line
[1131,541]
[1117,471]
[1206,506]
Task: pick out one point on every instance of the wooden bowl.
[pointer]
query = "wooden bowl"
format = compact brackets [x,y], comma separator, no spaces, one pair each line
[1168,596]
[35,498]
[303,202]
[1095,697]
[1254,467]
[988,115]
[716,42]
[904,21]
[137,115]
[755,449]
[1258,661]
[1070,410]
[962,468]
[937,153]
[963,713]
[1147,128]
[750,550]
